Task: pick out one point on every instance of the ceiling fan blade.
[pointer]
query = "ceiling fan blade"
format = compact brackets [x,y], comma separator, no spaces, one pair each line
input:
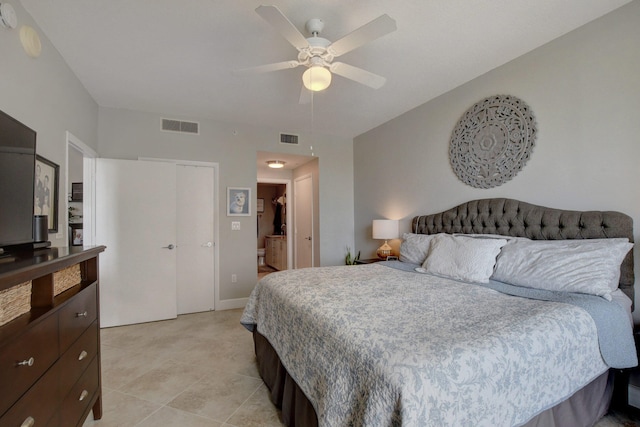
[276,18]
[269,67]
[305,96]
[379,27]
[358,74]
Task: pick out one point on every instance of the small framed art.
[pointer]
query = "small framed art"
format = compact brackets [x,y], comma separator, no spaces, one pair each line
[238,201]
[46,191]
[76,235]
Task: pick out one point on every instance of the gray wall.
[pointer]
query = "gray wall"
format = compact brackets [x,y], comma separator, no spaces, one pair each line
[584,89]
[45,95]
[125,134]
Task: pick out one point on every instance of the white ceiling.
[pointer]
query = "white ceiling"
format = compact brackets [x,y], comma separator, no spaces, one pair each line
[179,57]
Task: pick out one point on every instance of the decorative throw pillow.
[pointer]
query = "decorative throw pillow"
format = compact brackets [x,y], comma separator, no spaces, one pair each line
[414,247]
[589,266]
[462,258]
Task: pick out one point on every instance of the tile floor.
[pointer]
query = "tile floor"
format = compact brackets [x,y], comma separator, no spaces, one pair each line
[195,371]
[263,270]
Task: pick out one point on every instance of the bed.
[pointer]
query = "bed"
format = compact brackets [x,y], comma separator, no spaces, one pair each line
[431,341]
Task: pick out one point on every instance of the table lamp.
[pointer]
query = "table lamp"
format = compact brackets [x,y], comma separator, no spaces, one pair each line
[385,229]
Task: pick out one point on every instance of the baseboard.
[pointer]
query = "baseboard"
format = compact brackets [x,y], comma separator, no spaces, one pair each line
[231,304]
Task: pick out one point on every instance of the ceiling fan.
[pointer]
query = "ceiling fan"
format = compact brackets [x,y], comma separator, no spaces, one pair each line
[317,53]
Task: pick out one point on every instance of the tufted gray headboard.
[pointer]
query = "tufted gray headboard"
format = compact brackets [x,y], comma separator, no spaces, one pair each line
[510,217]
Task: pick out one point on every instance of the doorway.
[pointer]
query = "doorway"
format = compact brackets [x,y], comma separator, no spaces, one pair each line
[272,226]
[80,169]
[295,167]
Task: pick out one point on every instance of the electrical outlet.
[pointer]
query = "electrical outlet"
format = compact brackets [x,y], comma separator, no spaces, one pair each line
[235,225]
[234,278]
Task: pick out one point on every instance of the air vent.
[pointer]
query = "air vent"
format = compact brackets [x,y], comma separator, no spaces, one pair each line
[286,138]
[169,125]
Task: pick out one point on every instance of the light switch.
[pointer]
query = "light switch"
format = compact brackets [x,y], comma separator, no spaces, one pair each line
[235,225]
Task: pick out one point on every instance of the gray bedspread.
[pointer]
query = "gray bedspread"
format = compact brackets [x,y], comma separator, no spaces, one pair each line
[375,346]
[615,333]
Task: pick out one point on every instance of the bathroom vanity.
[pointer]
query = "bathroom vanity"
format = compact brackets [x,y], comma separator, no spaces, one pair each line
[276,251]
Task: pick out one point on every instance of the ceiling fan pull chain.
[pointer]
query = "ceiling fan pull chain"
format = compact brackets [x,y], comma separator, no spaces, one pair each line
[312,118]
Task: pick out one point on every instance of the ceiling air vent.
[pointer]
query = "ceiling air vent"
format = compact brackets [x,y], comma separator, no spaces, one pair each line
[286,138]
[169,125]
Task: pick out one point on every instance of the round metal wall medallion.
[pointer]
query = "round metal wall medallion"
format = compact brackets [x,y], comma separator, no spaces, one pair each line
[492,141]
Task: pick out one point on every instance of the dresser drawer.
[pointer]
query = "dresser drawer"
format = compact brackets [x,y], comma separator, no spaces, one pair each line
[26,358]
[40,403]
[74,362]
[77,401]
[76,316]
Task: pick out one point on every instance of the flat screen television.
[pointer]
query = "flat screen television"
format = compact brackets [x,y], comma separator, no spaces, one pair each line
[17,176]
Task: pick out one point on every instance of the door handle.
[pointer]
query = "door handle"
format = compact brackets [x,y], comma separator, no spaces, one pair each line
[207,245]
[308,238]
[170,247]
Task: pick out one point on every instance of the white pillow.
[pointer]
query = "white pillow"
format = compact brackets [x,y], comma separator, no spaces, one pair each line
[414,247]
[462,258]
[589,266]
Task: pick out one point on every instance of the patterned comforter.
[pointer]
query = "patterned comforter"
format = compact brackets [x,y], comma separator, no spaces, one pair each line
[371,345]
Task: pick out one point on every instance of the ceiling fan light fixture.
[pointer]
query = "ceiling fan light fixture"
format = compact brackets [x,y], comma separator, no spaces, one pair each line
[316,78]
[275,164]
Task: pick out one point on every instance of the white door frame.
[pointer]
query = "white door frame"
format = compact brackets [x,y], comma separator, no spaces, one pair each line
[88,189]
[287,215]
[216,219]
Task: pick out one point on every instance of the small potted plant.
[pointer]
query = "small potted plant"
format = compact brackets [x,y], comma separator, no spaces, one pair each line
[349,259]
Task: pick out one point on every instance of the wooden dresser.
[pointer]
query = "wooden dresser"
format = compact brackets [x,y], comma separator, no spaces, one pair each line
[50,356]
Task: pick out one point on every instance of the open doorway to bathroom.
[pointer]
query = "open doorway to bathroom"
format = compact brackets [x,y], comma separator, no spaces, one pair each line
[292,167]
[272,233]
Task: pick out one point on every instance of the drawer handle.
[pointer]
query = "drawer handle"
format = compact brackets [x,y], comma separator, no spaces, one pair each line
[29,422]
[83,395]
[83,354]
[28,362]
[83,314]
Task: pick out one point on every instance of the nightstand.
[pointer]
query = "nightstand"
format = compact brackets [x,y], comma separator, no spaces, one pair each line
[633,379]
[373,260]
[368,261]
[626,392]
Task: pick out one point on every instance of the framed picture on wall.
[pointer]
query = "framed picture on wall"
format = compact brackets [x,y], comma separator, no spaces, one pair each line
[46,191]
[260,205]
[76,191]
[75,234]
[238,201]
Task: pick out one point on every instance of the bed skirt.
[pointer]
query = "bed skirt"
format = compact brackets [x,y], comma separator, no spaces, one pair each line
[297,410]
[584,408]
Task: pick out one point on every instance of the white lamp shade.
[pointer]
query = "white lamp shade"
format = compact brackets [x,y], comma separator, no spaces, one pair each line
[316,78]
[385,229]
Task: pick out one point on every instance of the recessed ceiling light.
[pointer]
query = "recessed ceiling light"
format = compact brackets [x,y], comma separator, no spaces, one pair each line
[30,41]
[276,164]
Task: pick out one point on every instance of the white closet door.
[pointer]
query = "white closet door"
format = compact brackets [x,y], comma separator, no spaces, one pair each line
[303,216]
[195,207]
[136,221]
